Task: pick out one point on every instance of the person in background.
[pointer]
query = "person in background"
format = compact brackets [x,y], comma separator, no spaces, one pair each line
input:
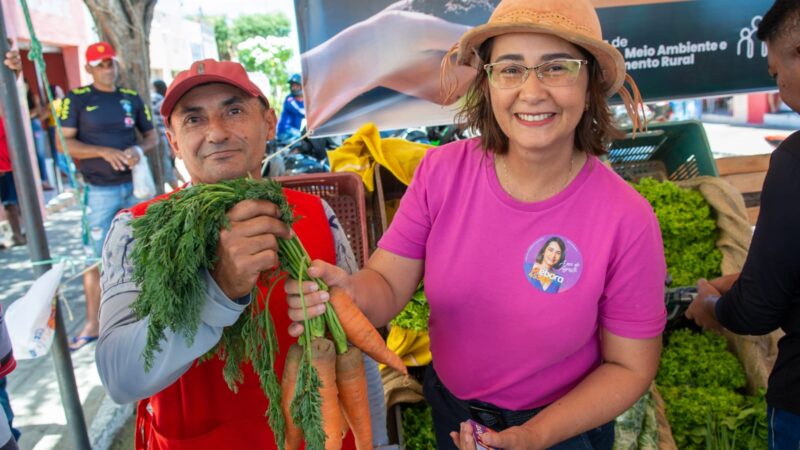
[8,434]
[37,113]
[293,113]
[765,296]
[542,369]
[8,191]
[171,175]
[99,123]
[61,161]
[218,122]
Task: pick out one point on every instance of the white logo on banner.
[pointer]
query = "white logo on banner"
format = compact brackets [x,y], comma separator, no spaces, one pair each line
[747,38]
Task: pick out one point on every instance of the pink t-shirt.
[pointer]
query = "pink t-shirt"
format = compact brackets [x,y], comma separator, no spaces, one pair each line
[508,329]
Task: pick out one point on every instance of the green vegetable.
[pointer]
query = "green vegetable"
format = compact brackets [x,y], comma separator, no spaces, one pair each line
[416,313]
[688,410]
[699,381]
[699,360]
[688,229]
[418,427]
[175,240]
[637,428]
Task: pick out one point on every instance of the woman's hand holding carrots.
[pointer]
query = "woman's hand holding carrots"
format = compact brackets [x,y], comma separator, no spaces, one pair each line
[315,299]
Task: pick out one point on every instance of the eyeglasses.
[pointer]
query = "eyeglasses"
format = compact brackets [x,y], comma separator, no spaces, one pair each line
[555,73]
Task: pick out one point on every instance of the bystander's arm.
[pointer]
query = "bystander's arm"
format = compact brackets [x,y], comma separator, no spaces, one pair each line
[723,284]
[79,150]
[149,141]
[761,299]
[123,336]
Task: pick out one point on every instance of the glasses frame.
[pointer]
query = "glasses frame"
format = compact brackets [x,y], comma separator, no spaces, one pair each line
[539,75]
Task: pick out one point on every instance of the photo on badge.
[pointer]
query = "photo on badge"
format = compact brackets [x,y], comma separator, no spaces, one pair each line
[478,431]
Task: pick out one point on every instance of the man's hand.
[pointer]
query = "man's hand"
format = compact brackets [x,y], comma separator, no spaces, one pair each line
[314,299]
[249,247]
[132,156]
[13,60]
[702,308]
[119,160]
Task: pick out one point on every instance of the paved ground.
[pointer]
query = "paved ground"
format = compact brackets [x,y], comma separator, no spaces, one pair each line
[33,388]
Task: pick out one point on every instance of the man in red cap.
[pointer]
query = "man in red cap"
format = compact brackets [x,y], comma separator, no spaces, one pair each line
[219,123]
[100,122]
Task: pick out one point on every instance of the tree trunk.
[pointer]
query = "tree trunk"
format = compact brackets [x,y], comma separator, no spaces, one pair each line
[125,24]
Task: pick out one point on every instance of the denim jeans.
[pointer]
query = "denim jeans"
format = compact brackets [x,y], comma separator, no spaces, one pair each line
[784,429]
[40,143]
[61,160]
[6,404]
[102,204]
[449,412]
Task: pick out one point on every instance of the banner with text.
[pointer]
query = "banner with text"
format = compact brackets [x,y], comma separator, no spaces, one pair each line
[379,60]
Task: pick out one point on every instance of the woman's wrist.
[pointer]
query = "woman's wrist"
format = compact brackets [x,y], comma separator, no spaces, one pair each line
[535,438]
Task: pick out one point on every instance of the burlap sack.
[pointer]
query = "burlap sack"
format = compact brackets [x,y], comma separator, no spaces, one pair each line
[665,440]
[732,221]
[398,388]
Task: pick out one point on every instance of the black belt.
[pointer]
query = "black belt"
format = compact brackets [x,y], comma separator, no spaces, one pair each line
[498,418]
[492,416]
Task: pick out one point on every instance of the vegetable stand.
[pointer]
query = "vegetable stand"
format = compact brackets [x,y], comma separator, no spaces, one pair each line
[677,151]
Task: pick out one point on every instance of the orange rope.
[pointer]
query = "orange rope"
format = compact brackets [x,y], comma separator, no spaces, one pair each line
[447,78]
[634,104]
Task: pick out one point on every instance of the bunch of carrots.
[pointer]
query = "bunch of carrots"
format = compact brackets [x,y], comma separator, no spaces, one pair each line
[324,388]
[327,369]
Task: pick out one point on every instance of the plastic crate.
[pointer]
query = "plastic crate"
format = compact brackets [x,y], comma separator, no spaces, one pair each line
[344,192]
[667,150]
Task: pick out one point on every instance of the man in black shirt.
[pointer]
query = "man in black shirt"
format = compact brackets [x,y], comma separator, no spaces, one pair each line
[99,123]
[766,294]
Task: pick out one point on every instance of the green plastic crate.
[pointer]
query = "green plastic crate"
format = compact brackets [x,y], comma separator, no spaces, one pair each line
[667,150]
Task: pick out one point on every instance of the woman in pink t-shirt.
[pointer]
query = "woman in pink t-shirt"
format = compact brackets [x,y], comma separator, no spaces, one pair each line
[544,270]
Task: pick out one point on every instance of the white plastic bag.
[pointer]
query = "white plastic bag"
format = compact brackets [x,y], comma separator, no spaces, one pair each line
[31,320]
[143,185]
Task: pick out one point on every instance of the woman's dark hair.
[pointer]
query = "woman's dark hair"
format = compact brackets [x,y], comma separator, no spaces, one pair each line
[160,87]
[561,260]
[593,134]
[783,17]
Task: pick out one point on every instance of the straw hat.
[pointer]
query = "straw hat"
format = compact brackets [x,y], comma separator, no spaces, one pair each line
[572,20]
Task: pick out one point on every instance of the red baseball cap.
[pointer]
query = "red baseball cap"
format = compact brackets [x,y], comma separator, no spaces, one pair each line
[205,72]
[97,52]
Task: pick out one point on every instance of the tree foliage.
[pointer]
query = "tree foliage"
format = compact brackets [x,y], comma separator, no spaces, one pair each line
[222,34]
[268,55]
[245,27]
[229,34]
[126,26]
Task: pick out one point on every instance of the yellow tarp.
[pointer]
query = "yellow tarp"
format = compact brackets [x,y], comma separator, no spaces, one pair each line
[413,347]
[361,151]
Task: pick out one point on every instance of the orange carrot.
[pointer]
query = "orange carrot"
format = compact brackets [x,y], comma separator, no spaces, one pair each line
[352,382]
[361,333]
[294,436]
[323,358]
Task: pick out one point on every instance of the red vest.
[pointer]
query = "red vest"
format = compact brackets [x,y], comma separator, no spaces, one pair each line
[198,411]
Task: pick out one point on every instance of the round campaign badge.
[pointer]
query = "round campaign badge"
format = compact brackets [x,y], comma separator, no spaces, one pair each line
[553,264]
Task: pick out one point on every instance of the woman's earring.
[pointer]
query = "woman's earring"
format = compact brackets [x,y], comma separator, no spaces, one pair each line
[586,107]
